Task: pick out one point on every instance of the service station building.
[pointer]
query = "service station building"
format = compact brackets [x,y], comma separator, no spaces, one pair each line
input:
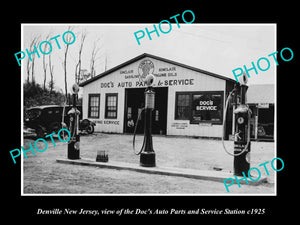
[188,101]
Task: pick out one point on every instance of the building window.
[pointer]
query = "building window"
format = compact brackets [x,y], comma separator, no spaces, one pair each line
[182,106]
[111,106]
[200,107]
[94,106]
[207,107]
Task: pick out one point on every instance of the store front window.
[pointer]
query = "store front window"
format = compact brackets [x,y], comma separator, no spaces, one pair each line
[182,106]
[94,105]
[111,106]
[200,107]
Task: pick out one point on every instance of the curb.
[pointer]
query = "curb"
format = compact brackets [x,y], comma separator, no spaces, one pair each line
[217,176]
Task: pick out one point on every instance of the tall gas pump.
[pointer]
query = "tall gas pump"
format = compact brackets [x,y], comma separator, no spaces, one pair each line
[74,142]
[242,144]
[147,154]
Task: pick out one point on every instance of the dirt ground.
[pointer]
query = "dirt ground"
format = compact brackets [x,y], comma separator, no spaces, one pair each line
[43,175]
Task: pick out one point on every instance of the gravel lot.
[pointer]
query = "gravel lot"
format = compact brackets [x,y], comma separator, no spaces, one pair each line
[43,175]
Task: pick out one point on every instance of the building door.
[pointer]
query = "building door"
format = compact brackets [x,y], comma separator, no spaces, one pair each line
[135,102]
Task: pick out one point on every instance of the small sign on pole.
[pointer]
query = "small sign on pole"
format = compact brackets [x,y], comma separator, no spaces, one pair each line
[263,105]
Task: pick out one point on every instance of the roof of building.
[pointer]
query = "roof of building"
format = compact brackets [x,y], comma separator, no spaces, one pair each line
[157,58]
[260,93]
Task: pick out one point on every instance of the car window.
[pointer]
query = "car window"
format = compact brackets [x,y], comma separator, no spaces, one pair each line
[33,113]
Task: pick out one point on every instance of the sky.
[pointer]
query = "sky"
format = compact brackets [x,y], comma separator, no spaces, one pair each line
[217,48]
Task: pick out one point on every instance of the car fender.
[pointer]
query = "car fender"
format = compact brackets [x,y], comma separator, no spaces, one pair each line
[89,122]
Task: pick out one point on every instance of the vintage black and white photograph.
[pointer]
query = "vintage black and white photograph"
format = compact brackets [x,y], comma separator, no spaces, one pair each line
[170,108]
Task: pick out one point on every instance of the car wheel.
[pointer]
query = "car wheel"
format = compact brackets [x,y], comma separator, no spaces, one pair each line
[90,129]
[55,127]
[40,133]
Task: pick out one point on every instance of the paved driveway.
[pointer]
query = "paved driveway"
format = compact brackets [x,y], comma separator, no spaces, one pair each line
[42,174]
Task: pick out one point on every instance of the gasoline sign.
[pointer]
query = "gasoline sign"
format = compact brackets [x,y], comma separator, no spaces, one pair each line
[75,89]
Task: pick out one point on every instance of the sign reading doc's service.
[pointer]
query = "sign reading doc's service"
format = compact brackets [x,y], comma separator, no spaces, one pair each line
[207,107]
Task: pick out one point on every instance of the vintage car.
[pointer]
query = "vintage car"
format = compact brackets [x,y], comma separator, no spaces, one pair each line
[47,119]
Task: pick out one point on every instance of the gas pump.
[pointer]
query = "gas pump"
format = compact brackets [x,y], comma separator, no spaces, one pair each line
[147,154]
[74,142]
[242,144]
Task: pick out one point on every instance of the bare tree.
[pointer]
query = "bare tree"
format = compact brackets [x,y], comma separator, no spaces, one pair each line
[68,40]
[78,65]
[30,66]
[51,82]
[33,46]
[93,58]
[44,62]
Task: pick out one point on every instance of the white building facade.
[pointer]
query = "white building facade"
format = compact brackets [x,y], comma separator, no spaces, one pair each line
[188,101]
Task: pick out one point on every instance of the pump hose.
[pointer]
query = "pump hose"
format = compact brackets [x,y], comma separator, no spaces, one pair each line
[134,133]
[224,122]
[63,125]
